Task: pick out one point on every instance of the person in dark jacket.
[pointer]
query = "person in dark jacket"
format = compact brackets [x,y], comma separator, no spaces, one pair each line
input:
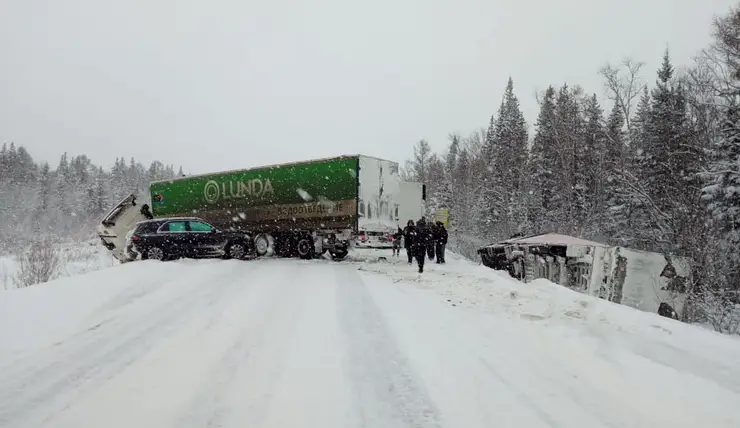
[408,239]
[440,241]
[431,244]
[422,238]
[397,242]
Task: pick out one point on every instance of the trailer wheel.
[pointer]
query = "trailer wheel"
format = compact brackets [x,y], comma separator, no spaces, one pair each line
[304,247]
[339,253]
[264,244]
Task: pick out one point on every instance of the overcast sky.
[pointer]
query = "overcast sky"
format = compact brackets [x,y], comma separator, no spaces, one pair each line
[223,84]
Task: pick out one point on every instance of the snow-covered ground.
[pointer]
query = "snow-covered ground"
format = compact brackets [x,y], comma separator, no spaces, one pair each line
[366,342]
[74,259]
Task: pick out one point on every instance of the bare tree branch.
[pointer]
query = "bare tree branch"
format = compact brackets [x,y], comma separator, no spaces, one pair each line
[623,86]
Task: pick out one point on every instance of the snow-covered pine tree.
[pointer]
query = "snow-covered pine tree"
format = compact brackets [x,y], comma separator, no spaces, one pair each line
[509,163]
[491,199]
[25,168]
[672,163]
[461,214]
[639,135]
[624,200]
[454,149]
[615,149]
[63,202]
[435,188]
[591,157]
[118,187]
[628,210]
[722,192]
[63,189]
[446,188]
[42,213]
[81,172]
[542,166]
[4,163]
[571,150]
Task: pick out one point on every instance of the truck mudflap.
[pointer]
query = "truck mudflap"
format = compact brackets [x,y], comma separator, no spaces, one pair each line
[115,228]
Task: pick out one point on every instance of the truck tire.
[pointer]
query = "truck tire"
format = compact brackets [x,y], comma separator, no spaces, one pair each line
[339,254]
[264,245]
[304,247]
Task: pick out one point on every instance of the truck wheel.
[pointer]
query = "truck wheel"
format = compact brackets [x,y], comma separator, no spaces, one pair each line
[304,247]
[339,253]
[237,251]
[264,244]
[155,253]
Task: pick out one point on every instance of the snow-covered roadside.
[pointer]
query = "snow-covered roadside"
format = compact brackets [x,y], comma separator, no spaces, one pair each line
[356,343]
[462,283]
[469,284]
[75,259]
[45,314]
[560,371]
[612,344]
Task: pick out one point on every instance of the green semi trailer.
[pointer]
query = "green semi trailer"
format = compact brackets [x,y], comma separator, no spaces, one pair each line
[325,200]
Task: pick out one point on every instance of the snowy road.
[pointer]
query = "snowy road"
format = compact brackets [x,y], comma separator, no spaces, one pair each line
[287,343]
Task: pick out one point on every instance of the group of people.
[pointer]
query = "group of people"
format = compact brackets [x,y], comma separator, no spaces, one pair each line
[421,240]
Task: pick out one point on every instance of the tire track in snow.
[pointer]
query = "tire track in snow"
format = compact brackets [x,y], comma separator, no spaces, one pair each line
[528,376]
[388,391]
[212,405]
[53,380]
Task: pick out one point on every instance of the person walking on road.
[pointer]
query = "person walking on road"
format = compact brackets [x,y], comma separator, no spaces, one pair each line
[408,239]
[431,244]
[397,242]
[421,242]
[440,241]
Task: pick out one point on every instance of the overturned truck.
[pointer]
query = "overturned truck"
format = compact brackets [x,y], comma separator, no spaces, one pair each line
[641,279]
[278,207]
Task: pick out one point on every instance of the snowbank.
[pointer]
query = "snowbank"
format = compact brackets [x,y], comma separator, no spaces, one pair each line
[76,258]
[45,314]
[465,284]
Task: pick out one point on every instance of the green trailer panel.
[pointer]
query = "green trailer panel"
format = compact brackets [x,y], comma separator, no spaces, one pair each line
[291,195]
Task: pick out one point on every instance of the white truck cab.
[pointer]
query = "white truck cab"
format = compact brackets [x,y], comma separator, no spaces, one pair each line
[118,225]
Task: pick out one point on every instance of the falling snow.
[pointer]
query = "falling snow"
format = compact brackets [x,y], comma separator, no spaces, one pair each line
[305,195]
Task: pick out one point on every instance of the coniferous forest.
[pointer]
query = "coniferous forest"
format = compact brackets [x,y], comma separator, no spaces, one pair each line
[64,201]
[654,165]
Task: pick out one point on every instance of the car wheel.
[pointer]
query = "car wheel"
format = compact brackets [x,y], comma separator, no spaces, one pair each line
[237,251]
[155,253]
[305,248]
